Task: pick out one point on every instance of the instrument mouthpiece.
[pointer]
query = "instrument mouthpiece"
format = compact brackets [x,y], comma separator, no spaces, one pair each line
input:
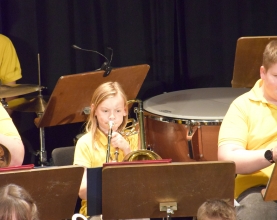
[111,123]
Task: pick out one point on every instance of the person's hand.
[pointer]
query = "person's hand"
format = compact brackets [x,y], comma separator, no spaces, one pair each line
[118,141]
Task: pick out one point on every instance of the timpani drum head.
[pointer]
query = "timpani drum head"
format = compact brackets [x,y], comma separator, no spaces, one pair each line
[194,104]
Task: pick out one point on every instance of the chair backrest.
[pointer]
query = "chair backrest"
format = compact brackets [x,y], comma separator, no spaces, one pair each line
[63,156]
[248,59]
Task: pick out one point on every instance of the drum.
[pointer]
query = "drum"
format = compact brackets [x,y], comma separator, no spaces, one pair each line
[184,125]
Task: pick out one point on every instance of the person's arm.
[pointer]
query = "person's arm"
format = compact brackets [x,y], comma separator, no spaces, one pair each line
[15,147]
[83,187]
[233,139]
[247,161]
[81,158]
[10,70]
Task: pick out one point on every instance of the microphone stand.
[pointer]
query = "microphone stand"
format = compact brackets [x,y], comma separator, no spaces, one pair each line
[42,153]
[106,66]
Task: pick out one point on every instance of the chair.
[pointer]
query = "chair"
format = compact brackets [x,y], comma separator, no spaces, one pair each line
[248,59]
[63,156]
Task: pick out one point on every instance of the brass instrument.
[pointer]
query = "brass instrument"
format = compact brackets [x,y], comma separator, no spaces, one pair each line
[111,123]
[5,156]
[143,153]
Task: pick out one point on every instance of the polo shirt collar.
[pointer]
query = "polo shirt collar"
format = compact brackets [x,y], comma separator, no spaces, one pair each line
[255,94]
[101,137]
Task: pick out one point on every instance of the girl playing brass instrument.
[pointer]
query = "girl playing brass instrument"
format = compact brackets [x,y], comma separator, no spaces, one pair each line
[108,104]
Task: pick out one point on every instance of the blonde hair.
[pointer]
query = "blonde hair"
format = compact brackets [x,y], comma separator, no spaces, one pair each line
[103,92]
[270,54]
[216,208]
[17,202]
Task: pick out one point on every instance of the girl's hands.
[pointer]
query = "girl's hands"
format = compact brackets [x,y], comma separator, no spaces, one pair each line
[118,141]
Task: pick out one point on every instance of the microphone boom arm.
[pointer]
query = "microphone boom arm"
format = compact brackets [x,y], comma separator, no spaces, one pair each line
[106,65]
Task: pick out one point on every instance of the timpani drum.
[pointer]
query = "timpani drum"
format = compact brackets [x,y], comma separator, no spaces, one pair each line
[184,125]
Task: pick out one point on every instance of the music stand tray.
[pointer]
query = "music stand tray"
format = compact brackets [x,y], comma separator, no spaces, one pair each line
[137,191]
[72,94]
[54,189]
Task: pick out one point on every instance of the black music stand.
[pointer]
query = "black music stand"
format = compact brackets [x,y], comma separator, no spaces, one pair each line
[54,189]
[150,190]
[94,191]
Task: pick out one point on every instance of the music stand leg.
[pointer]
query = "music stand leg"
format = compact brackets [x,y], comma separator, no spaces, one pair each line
[169,208]
[169,212]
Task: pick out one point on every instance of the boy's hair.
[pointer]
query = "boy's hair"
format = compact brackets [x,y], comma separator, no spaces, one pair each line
[270,54]
[216,208]
[16,202]
[103,92]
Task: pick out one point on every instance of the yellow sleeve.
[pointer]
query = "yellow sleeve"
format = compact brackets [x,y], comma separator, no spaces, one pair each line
[90,154]
[10,69]
[234,128]
[81,154]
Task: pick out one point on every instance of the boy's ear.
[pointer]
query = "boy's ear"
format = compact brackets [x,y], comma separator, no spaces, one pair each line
[262,72]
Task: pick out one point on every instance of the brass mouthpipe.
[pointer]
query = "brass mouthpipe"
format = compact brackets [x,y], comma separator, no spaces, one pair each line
[143,153]
[116,153]
[111,123]
[139,111]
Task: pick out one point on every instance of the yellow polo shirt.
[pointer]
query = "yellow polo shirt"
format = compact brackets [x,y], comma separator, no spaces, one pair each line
[9,64]
[250,122]
[93,154]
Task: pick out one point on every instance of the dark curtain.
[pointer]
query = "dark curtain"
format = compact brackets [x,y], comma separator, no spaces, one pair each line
[188,44]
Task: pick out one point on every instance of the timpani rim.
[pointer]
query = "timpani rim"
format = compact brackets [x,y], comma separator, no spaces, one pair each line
[193,122]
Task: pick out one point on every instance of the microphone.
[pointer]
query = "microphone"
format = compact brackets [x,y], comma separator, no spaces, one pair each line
[106,65]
